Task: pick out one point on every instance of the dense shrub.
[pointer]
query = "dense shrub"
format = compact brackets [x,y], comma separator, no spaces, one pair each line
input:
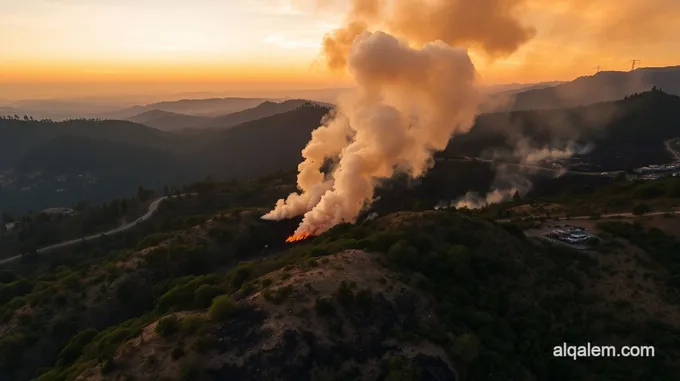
[223,308]
[168,326]
[191,324]
[204,295]
[74,348]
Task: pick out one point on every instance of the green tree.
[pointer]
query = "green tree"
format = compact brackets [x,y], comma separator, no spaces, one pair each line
[223,307]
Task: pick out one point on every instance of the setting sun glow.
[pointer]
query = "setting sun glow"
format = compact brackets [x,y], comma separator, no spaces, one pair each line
[82,47]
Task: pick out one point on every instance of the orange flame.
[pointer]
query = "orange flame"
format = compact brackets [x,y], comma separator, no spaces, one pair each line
[298,237]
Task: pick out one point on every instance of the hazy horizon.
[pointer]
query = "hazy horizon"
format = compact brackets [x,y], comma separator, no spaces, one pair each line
[78,48]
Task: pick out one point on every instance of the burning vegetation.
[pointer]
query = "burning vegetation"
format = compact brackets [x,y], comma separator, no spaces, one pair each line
[297,237]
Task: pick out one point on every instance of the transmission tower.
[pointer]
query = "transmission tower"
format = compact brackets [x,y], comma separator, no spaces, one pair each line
[635,62]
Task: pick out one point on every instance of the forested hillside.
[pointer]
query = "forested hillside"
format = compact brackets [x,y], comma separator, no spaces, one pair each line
[44,163]
[640,123]
[47,163]
[207,291]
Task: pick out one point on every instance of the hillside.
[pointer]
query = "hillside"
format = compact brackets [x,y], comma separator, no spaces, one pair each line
[601,87]
[78,154]
[19,137]
[168,121]
[262,146]
[215,294]
[640,123]
[47,163]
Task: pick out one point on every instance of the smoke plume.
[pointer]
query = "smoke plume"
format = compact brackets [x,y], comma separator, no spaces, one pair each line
[509,182]
[415,92]
[491,25]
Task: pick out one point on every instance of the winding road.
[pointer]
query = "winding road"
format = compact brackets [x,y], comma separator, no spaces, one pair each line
[153,207]
[669,147]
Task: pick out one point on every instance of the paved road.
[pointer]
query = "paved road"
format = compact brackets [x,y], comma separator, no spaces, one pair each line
[603,216]
[669,147]
[536,167]
[149,213]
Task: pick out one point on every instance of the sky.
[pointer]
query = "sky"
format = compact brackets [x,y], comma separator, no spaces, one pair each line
[67,48]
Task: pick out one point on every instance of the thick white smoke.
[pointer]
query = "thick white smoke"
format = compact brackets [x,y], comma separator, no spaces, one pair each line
[411,101]
[415,92]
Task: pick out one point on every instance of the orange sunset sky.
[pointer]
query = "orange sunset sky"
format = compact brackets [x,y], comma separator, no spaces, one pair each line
[64,48]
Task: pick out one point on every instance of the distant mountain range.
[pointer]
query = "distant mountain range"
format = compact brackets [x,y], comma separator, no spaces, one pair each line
[169,121]
[195,107]
[57,109]
[601,87]
[518,87]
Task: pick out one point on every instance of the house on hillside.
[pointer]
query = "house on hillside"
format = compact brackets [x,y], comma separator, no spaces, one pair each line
[59,212]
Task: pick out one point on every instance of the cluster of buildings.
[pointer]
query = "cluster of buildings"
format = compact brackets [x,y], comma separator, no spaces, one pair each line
[569,234]
[658,168]
[59,212]
[655,172]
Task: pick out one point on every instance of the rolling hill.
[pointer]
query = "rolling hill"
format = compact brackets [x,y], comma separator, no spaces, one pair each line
[168,121]
[195,107]
[95,160]
[639,124]
[260,111]
[261,146]
[19,137]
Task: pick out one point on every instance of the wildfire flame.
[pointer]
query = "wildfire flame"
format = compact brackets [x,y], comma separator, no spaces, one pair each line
[298,237]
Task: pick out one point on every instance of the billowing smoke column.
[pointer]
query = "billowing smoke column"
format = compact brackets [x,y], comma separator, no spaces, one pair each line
[414,93]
